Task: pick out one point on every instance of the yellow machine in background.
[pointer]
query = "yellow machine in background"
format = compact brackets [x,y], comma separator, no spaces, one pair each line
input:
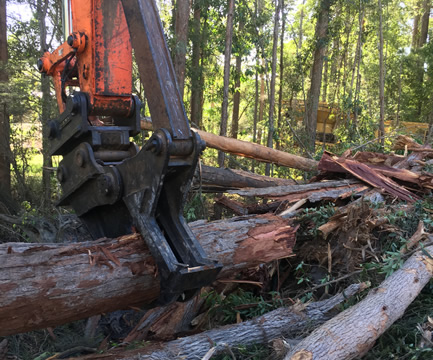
[330,116]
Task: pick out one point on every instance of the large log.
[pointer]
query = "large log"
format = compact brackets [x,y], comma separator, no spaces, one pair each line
[279,191]
[219,179]
[249,150]
[43,285]
[354,331]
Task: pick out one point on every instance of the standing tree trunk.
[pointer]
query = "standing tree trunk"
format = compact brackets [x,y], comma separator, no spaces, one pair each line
[381,80]
[397,116]
[415,30]
[325,77]
[181,34]
[227,56]
[335,71]
[280,93]
[237,95]
[262,102]
[424,23]
[5,174]
[349,23]
[196,70]
[316,74]
[356,67]
[41,9]
[273,76]
[422,39]
[357,91]
[301,19]
[256,97]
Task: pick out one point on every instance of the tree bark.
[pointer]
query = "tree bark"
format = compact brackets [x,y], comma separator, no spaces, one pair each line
[227,57]
[397,115]
[181,33]
[262,102]
[366,174]
[415,29]
[237,95]
[280,90]
[316,74]
[324,92]
[256,107]
[275,324]
[271,126]
[335,71]
[257,152]
[356,67]
[5,173]
[424,23]
[372,316]
[44,285]
[381,79]
[249,150]
[301,19]
[223,179]
[196,71]
[421,61]
[350,19]
[282,190]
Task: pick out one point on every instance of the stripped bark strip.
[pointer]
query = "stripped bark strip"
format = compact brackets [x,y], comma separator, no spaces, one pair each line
[366,174]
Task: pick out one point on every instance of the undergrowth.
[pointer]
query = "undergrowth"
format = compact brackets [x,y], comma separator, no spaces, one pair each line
[240,306]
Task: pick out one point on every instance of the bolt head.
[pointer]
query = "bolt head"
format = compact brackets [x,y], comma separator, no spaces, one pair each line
[80,158]
[61,173]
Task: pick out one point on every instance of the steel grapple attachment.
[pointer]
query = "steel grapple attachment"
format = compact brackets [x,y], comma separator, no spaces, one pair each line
[145,189]
[111,185]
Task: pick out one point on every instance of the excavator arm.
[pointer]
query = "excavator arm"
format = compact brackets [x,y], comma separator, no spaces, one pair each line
[111,185]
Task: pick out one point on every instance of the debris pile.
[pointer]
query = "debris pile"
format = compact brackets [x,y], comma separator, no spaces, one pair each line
[362,222]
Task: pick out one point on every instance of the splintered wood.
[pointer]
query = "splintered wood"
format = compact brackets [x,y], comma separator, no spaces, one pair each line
[398,176]
[366,174]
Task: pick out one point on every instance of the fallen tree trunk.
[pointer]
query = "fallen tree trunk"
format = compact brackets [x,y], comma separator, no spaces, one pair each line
[219,179]
[43,285]
[261,330]
[281,202]
[250,150]
[338,339]
[280,191]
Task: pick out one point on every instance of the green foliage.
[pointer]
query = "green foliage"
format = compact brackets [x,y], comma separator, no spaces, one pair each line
[313,218]
[402,339]
[39,344]
[253,352]
[406,220]
[392,261]
[226,309]
[195,208]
